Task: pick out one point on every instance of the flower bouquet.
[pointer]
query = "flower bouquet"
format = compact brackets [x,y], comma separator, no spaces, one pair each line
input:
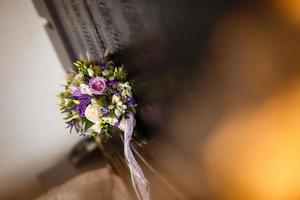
[97,98]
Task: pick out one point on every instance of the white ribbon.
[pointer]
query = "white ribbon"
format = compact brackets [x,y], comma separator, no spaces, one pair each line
[140,183]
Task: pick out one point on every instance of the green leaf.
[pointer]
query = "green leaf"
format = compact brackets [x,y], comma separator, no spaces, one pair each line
[69,119]
[101,101]
[87,124]
[97,70]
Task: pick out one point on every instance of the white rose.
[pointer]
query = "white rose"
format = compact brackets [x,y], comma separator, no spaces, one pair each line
[93,113]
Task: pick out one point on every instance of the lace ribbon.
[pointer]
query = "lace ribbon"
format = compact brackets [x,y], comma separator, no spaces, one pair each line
[140,183]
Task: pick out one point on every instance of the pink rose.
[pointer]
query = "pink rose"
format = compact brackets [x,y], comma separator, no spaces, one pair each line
[97,85]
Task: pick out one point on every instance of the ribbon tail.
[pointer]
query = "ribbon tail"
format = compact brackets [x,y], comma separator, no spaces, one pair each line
[140,183]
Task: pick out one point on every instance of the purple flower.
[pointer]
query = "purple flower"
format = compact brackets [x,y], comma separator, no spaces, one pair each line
[103,66]
[84,102]
[80,109]
[71,125]
[75,91]
[98,61]
[131,101]
[84,99]
[105,111]
[97,85]
[112,83]
[116,92]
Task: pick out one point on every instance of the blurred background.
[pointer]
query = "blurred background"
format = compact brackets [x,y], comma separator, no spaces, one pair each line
[33,136]
[218,91]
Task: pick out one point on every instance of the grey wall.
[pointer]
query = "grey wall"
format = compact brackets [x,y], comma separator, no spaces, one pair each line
[32,134]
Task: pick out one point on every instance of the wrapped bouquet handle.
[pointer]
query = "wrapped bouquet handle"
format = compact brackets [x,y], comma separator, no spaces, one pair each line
[97,98]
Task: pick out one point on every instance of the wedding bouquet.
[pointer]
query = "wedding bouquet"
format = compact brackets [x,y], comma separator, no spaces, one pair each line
[97,98]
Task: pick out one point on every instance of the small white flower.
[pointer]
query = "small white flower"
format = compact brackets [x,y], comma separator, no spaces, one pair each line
[90,72]
[105,72]
[96,128]
[66,101]
[93,113]
[110,107]
[118,113]
[77,79]
[120,110]
[116,99]
[85,89]
[117,105]
[126,85]
[110,120]
[125,93]
[125,89]
[114,121]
